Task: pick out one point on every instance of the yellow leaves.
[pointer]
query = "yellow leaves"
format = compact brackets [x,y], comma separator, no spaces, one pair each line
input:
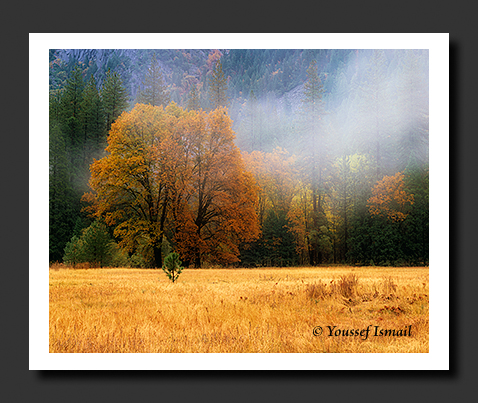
[221,196]
[299,216]
[274,173]
[91,201]
[177,171]
[390,199]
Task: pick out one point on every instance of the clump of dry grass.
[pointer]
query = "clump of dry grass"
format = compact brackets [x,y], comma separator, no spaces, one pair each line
[236,310]
[317,290]
[57,266]
[76,266]
[388,286]
[347,286]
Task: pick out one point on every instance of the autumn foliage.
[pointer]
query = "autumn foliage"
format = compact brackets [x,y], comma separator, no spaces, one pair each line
[175,175]
[274,173]
[390,199]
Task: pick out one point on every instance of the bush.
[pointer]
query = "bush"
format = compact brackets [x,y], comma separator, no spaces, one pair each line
[137,260]
[73,252]
[118,257]
[172,266]
[97,244]
[94,246]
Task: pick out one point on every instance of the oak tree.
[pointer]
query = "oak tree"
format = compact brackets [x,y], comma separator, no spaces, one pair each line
[217,210]
[177,173]
[129,184]
[390,198]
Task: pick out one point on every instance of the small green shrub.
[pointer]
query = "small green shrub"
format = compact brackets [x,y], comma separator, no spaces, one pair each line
[172,266]
[73,252]
[94,246]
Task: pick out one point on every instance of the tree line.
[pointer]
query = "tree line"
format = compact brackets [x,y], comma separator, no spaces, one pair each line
[80,119]
[172,178]
[349,183]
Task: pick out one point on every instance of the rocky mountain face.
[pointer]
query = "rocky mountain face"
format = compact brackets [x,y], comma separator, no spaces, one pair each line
[132,65]
[275,78]
[181,68]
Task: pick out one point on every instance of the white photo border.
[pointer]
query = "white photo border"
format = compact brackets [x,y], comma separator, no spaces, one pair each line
[39,356]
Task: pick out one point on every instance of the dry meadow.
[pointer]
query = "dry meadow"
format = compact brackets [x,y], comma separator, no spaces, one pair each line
[270,310]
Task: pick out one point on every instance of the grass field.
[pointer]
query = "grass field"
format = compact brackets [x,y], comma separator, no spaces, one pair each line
[270,310]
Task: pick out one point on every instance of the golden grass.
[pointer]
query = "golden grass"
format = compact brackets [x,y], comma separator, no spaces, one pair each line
[238,310]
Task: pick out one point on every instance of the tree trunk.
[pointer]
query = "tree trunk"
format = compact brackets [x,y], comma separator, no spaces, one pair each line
[197,259]
[345,231]
[158,259]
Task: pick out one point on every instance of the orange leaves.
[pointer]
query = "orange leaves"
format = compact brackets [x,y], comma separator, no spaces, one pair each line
[171,171]
[217,208]
[390,199]
[131,182]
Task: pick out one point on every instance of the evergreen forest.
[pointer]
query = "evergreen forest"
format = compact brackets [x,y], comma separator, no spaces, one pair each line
[238,157]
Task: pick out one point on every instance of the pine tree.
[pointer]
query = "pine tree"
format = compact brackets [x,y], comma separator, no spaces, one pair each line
[344,199]
[94,246]
[55,106]
[61,213]
[314,147]
[252,124]
[313,91]
[375,110]
[218,87]
[71,117]
[67,160]
[93,114]
[277,240]
[172,266]
[93,125]
[193,99]
[312,113]
[71,112]
[114,97]
[413,108]
[417,222]
[154,90]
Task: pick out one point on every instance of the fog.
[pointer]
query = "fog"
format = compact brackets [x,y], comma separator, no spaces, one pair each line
[376,104]
[331,125]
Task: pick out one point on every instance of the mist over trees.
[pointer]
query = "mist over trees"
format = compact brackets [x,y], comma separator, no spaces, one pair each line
[255,157]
